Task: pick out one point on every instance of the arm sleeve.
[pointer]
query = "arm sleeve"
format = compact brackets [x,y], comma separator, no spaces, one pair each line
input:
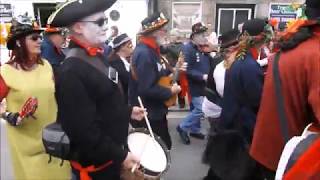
[252,81]
[148,79]
[191,71]
[77,114]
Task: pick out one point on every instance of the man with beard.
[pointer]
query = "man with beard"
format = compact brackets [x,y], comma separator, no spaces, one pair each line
[147,71]
[92,111]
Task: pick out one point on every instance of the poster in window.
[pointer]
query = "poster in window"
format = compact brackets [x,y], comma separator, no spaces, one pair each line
[6,12]
[185,14]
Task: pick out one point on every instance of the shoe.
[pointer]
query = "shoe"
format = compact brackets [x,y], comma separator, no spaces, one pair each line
[198,135]
[183,135]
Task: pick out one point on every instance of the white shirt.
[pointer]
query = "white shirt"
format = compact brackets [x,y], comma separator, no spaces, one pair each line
[126,63]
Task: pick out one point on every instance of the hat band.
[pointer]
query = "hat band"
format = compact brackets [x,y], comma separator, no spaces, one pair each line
[121,42]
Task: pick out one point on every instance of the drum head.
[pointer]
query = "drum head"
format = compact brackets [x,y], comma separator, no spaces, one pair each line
[153,156]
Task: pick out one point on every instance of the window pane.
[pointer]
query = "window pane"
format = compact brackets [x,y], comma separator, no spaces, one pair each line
[226,19]
[241,16]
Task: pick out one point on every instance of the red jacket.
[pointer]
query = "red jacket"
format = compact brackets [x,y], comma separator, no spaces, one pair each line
[300,76]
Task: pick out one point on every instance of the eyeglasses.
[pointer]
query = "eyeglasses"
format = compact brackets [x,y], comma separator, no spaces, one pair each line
[35,37]
[100,22]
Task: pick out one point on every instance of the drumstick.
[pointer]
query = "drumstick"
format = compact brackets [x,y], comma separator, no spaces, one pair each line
[146,118]
[149,128]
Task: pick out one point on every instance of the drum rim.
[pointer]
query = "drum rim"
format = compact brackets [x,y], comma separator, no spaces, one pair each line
[162,144]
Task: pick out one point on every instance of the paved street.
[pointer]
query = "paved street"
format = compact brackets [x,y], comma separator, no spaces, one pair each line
[186,160]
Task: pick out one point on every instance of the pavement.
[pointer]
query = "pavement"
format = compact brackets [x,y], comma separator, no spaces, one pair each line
[186,159]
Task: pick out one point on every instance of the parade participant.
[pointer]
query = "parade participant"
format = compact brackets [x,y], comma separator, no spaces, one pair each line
[51,47]
[146,73]
[26,75]
[244,81]
[299,71]
[122,50]
[240,104]
[91,104]
[212,103]
[197,73]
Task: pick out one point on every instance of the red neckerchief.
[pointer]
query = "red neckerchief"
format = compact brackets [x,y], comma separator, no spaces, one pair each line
[255,53]
[92,51]
[150,42]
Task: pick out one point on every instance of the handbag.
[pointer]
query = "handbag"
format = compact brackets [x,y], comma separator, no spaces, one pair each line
[300,159]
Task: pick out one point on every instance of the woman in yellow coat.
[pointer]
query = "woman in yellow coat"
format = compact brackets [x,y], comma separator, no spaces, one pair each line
[27,75]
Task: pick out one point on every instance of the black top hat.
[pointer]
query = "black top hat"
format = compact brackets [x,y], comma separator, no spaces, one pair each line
[119,40]
[75,10]
[198,28]
[313,9]
[21,27]
[254,27]
[154,22]
[229,38]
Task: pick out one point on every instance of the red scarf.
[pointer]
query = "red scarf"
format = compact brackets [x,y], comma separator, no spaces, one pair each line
[150,42]
[92,51]
[255,53]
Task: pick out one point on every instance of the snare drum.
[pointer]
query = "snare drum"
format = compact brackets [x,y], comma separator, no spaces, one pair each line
[154,155]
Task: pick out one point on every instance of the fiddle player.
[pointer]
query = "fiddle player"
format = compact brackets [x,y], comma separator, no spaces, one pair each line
[198,58]
[146,71]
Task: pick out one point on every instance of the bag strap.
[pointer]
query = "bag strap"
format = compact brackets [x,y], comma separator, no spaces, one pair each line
[97,63]
[280,99]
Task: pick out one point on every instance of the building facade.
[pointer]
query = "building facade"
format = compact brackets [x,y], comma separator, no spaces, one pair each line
[221,15]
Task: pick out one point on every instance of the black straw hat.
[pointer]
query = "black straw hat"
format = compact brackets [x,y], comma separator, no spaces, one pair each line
[229,38]
[154,22]
[74,10]
[21,26]
[313,9]
[121,39]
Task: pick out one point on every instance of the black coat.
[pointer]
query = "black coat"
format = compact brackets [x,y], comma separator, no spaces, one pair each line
[116,62]
[93,114]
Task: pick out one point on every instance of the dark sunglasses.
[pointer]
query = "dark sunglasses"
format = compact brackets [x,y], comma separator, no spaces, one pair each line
[100,22]
[35,37]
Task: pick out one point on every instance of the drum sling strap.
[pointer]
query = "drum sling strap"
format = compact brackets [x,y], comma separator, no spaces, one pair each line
[97,63]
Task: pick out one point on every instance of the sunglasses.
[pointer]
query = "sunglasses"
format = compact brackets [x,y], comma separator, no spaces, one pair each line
[35,37]
[100,22]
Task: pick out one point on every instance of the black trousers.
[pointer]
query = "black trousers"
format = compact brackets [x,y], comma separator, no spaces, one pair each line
[159,127]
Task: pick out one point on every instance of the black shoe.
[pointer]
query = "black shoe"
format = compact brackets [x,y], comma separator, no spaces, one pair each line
[183,135]
[198,135]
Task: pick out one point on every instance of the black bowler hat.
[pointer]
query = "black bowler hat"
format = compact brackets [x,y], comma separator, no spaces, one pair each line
[119,40]
[313,9]
[229,38]
[75,10]
[254,27]
[21,26]
[198,28]
[154,22]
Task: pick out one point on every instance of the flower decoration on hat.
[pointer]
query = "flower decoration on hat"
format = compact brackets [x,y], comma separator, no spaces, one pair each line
[153,23]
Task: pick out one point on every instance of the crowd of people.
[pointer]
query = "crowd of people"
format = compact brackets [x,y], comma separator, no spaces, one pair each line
[91,88]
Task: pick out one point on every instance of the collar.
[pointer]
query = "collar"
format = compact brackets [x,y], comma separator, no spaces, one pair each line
[92,51]
[150,42]
[126,63]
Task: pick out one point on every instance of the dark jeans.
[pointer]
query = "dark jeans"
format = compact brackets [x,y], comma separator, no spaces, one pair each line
[159,127]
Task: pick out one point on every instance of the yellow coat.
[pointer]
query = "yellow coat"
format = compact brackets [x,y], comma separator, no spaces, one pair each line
[30,162]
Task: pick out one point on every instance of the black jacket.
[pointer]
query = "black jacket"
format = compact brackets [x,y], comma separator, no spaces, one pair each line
[92,112]
[116,62]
